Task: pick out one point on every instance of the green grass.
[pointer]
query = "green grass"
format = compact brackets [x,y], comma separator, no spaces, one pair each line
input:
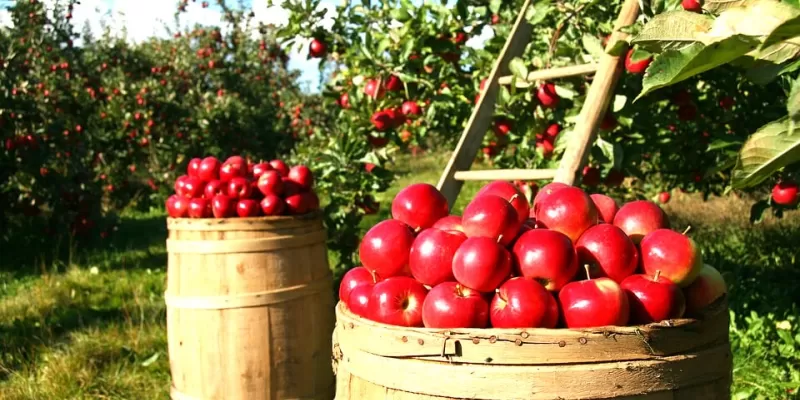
[93,327]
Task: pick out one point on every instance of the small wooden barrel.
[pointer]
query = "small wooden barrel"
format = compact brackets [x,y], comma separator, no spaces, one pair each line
[679,359]
[249,309]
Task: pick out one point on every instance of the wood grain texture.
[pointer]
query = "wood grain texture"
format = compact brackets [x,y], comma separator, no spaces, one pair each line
[678,359]
[481,117]
[251,320]
[597,100]
[505,174]
[549,74]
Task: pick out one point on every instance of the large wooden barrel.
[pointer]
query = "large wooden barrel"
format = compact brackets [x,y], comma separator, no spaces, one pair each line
[679,359]
[249,309]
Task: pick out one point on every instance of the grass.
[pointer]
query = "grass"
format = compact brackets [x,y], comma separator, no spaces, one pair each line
[94,327]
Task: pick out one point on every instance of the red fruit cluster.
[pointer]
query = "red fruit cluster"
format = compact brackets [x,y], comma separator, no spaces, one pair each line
[240,188]
[507,264]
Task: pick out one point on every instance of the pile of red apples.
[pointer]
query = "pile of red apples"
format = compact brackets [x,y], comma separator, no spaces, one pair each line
[240,188]
[570,260]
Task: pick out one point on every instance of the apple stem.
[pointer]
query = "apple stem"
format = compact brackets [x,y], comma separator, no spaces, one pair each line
[499,238]
[685,231]
[459,290]
[417,229]
[657,275]
[514,197]
[588,274]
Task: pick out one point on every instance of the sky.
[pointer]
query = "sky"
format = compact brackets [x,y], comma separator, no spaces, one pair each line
[145,18]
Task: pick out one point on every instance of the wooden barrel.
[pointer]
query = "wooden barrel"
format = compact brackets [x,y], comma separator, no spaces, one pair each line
[249,309]
[679,359]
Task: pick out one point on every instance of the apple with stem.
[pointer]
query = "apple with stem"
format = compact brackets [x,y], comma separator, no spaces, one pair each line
[653,298]
[608,251]
[223,206]
[355,277]
[482,264]
[546,256]
[511,193]
[674,254]
[449,305]
[397,301]
[419,205]
[593,303]
[431,256]
[521,303]
[386,247]
[491,217]
[545,192]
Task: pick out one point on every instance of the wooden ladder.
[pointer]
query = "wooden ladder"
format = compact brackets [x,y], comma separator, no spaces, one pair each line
[576,152]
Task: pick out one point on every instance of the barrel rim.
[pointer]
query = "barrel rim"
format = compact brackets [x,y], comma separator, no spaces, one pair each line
[243,224]
[718,307]
[277,218]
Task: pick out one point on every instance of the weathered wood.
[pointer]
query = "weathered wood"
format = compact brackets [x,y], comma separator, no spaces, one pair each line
[249,306]
[505,174]
[597,100]
[481,117]
[549,74]
[679,359]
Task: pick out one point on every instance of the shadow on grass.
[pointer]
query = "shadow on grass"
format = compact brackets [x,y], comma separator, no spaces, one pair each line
[138,243]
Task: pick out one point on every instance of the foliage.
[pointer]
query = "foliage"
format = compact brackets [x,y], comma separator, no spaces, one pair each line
[91,129]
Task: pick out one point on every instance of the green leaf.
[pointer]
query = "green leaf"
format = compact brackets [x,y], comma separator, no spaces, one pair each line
[494,6]
[619,102]
[787,30]
[518,68]
[538,12]
[673,30]
[150,360]
[721,144]
[592,45]
[793,102]
[757,211]
[717,6]
[771,148]
[639,55]
[618,48]
[400,14]
[673,66]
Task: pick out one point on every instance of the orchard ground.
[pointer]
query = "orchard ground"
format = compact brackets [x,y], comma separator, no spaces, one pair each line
[94,326]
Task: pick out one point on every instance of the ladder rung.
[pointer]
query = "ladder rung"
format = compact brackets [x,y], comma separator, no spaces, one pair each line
[505,175]
[552,73]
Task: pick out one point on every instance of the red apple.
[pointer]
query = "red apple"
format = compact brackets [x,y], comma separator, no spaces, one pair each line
[493,217]
[511,193]
[355,277]
[248,208]
[547,257]
[481,264]
[692,5]
[272,205]
[213,188]
[664,197]
[297,204]
[640,217]
[410,109]
[312,200]
[193,169]
[189,187]
[373,89]
[177,206]
[653,298]
[521,303]
[449,223]
[449,306]
[675,255]
[636,67]
[209,169]
[553,314]
[785,193]
[393,84]
[386,247]
[199,208]
[398,301]
[431,256]
[259,169]
[419,205]
[270,183]
[223,206]
[606,207]
[302,175]
[608,251]
[280,166]
[239,188]
[705,290]
[545,192]
[591,176]
[233,167]
[593,303]
[568,210]
[547,95]
[317,48]
[358,300]
[290,187]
